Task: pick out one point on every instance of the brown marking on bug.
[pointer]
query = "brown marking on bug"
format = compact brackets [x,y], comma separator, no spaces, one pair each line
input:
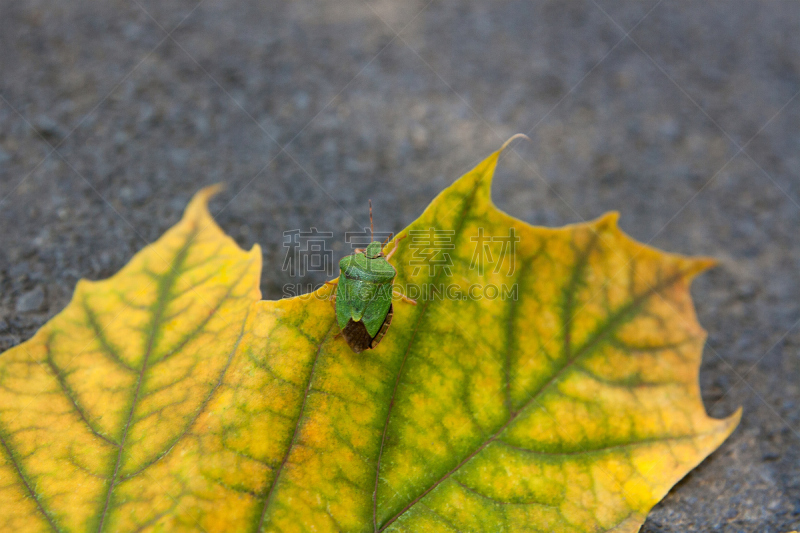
[357,337]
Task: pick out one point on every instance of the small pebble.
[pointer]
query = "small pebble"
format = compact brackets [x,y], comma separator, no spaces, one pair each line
[31,301]
[48,128]
[19,270]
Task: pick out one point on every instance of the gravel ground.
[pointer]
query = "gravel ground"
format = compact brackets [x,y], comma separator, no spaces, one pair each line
[679,114]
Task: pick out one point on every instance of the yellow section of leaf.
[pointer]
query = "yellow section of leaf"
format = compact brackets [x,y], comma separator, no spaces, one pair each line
[169,399]
[103,392]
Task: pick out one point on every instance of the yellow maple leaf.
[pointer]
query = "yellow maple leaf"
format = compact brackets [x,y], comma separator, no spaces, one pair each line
[170,398]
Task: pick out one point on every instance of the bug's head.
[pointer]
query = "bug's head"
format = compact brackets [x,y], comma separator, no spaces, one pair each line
[373,250]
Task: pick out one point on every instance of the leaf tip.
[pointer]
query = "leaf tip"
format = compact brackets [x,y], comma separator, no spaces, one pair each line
[609,220]
[513,138]
[483,174]
[698,265]
[733,420]
[206,193]
[197,210]
[726,426]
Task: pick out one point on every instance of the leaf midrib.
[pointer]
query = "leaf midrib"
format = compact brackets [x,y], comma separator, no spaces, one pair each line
[165,286]
[467,205]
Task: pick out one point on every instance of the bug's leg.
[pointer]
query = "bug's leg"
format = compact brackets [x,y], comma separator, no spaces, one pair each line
[332,297]
[335,282]
[404,297]
[407,299]
[395,247]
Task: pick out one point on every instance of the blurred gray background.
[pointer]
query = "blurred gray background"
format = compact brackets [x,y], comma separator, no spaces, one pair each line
[682,115]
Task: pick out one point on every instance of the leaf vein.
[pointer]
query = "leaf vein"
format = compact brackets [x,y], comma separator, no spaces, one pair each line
[601,332]
[292,442]
[165,285]
[468,203]
[29,488]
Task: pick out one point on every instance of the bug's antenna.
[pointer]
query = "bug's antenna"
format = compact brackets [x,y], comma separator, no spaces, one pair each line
[371,229]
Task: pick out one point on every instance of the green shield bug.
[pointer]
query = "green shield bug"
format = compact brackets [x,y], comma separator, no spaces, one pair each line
[363,296]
